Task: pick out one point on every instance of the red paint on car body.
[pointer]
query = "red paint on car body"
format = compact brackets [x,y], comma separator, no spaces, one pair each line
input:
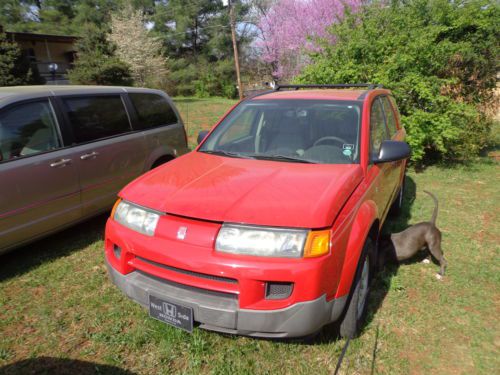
[202,191]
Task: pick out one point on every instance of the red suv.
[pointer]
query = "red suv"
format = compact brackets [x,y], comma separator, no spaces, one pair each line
[269,228]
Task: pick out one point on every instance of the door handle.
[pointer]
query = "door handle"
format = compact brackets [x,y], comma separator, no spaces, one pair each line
[93,154]
[60,163]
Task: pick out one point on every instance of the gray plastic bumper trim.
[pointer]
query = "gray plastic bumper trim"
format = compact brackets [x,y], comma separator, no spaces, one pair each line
[220,312]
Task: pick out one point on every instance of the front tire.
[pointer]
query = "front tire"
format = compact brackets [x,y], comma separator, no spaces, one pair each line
[354,317]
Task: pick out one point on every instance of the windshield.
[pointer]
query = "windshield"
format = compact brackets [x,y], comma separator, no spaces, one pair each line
[308,131]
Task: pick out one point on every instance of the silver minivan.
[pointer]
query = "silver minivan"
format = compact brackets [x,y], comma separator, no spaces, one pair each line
[66,151]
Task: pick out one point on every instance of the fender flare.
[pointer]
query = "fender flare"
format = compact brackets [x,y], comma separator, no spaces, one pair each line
[366,217]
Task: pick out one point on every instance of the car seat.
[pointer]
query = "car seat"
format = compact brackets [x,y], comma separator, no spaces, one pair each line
[287,134]
[41,140]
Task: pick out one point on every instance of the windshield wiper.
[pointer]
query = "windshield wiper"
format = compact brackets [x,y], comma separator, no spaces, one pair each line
[284,158]
[227,153]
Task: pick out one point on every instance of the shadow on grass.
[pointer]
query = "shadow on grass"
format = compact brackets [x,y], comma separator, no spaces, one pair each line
[60,366]
[26,258]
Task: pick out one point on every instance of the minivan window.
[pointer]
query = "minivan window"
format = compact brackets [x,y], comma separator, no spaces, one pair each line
[152,110]
[27,129]
[389,116]
[96,117]
[307,131]
[378,129]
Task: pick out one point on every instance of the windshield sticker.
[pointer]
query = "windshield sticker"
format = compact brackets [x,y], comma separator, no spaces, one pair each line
[347,149]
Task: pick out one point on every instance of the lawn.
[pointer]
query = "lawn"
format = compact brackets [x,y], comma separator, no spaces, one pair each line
[201,114]
[60,313]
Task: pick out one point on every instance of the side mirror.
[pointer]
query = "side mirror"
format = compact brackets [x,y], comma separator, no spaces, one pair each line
[392,151]
[202,135]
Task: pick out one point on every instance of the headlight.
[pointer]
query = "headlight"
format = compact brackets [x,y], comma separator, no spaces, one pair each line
[261,241]
[137,218]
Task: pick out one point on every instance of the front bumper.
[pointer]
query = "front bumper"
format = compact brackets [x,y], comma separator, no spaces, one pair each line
[219,311]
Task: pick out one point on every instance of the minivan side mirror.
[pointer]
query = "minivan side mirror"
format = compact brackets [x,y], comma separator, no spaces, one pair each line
[392,151]
[202,135]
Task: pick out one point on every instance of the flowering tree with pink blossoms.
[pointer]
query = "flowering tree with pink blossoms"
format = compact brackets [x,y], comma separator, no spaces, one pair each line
[290,29]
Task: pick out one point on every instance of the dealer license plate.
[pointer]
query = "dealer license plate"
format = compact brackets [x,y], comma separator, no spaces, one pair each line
[171,313]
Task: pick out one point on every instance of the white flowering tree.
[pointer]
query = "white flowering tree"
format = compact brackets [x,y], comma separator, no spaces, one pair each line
[138,48]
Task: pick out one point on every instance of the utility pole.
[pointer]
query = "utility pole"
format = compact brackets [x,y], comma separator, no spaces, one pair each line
[235,47]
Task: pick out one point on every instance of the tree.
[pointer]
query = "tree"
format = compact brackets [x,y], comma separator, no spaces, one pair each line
[57,16]
[15,68]
[197,39]
[290,29]
[137,47]
[9,53]
[438,57]
[96,63]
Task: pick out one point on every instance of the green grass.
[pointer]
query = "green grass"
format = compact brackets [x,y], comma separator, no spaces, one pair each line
[60,313]
[201,114]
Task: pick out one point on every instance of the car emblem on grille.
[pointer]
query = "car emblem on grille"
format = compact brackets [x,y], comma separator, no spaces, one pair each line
[181,233]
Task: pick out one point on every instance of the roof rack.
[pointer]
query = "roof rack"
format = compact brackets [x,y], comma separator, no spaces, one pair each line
[369,86]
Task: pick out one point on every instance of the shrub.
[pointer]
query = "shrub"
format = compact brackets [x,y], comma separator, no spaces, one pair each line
[438,58]
[96,63]
[98,69]
[202,79]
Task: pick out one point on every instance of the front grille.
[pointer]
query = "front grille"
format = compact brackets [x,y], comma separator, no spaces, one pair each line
[190,273]
[207,292]
[278,290]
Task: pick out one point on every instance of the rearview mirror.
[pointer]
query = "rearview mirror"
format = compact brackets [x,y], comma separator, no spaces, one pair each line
[202,135]
[392,151]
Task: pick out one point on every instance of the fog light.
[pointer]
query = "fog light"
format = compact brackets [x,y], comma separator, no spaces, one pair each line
[278,290]
[117,250]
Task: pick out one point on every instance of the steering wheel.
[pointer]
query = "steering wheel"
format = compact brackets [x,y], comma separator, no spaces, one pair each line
[330,138]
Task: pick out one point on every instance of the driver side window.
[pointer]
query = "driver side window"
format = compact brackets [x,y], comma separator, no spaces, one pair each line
[27,129]
[378,128]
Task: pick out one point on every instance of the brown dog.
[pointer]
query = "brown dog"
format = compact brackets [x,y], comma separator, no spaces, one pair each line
[408,242]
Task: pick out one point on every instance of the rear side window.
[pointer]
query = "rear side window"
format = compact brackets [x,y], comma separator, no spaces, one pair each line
[152,110]
[96,117]
[389,116]
[378,129]
[27,129]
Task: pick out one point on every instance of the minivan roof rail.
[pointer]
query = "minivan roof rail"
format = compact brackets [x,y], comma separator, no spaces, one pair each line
[369,86]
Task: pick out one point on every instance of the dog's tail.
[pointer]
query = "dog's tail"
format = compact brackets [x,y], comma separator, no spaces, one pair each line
[435,213]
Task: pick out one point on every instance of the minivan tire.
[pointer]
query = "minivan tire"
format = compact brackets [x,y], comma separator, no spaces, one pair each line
[352,322]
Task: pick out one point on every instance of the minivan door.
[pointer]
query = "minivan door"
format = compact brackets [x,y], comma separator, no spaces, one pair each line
[107,153]
[39,190]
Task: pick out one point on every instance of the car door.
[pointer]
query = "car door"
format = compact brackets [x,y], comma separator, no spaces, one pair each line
[107,152]
[396,168]
[39,190]
[379,133]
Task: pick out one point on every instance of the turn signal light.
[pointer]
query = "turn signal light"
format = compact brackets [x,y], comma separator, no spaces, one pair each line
[114,208]
[317,244]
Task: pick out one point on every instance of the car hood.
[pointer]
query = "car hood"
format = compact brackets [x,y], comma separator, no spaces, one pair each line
[261,192]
